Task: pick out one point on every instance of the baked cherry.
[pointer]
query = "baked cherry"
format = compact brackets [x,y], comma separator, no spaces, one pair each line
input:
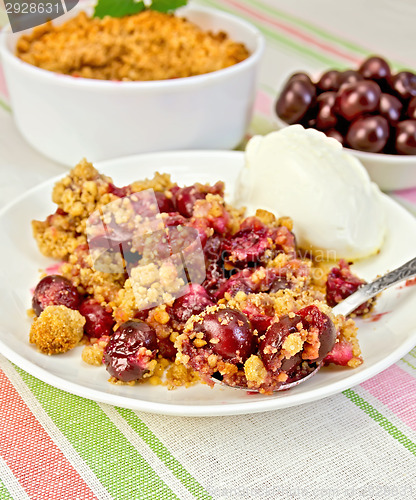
[341,283]
[238,282]
[166,349]
[358,98]
[375,68]
[194,302]
[406,137]
[327,331]
[174,219]
[165,204]
[368,134]
[213,264]
[260,316]
[404,85]
[98,321]
[330,80]
[246,246]
[120,192]
[390,108]
[341,354]
[129,351]
[55,290]
[294,101]
[186,198]
[326,117]
[271,346]
[228,333]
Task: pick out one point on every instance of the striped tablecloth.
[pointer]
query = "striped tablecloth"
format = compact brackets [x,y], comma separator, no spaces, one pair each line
[360,444]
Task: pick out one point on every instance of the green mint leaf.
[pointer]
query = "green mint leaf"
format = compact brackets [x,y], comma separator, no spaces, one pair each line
[167,5]
[117,8]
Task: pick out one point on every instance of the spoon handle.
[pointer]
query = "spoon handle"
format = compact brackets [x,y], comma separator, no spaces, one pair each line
[366,292]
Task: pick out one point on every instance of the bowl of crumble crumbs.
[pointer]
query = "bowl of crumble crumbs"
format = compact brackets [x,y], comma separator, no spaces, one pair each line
[101,326]
[106,88]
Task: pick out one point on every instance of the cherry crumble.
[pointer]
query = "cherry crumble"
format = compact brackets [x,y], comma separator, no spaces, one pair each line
[259,317]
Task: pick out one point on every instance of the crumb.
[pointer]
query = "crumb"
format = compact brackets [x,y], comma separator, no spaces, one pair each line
[57,330]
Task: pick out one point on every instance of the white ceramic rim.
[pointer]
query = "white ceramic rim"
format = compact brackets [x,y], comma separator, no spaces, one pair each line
[106,85]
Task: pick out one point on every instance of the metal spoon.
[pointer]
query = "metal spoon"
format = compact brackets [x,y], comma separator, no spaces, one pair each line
[347,306]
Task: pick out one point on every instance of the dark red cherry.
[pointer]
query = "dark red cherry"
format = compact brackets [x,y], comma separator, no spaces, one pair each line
[357,98]
[271,346]
[238,282]
[229,334]
[130,349]
[411,109]
[390,108]
[375,68]
[55,290]
[246,246]
[349,76]
[301,76]
[330,80]
[294,101]
[165,204]
[341,283]
[186,198]
[368,134]
[98,321]
[119,191]
[327,331]
[326,117]
[194,302]
[404,85]
[166,349]
[406,137]
[174,219]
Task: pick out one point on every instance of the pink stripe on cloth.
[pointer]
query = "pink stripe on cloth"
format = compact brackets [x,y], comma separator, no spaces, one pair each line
[293,31]
[263,104]
[407,194]
[24,442]
[396,389]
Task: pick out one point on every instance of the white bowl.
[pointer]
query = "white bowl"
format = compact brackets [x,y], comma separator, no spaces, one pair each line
[390,172]
[68,118]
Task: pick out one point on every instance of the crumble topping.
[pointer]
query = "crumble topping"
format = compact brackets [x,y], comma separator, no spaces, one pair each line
[146,46]
[58,329]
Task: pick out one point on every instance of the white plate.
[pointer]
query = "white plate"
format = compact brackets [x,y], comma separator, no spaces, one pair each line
[382,342]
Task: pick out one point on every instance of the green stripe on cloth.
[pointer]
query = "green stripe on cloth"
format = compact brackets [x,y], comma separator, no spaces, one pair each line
[308,26]
[164,454]
[381,420]
[325,35]
[408,364]
[5,106]
[115,461]
[279,38]
[413,353]
[4,492]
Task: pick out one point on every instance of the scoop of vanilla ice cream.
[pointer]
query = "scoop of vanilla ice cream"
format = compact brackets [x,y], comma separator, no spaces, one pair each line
[303,174]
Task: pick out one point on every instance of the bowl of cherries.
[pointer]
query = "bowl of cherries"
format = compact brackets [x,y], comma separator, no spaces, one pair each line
[370,110]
